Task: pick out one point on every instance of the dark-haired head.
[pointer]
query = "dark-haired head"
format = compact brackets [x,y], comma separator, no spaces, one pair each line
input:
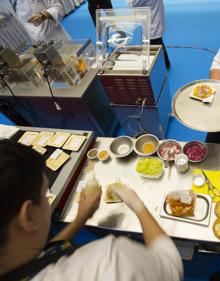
[21,178]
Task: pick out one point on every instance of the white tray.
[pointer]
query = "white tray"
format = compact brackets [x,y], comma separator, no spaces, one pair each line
[197,115]
[202,210]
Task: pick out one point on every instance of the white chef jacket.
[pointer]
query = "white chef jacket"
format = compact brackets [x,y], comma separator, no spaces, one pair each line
[157,15]
[216,61]
[47,30]
[12,32]
[118,259]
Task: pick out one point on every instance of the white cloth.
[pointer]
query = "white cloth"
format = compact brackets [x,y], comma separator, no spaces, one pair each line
[157,15]
[216,61]
[12,32]
[47,30]
[118,259]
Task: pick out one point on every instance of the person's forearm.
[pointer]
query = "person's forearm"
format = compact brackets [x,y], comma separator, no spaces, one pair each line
[69,231]
[151,229]
[215,74]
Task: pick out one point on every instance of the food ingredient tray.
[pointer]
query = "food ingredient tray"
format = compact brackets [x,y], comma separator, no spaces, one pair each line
[202,210]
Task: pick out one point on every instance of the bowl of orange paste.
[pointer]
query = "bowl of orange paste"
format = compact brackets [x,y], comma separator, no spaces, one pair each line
[146,145]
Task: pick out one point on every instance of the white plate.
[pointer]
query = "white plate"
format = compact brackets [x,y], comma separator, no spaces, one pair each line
[202,210]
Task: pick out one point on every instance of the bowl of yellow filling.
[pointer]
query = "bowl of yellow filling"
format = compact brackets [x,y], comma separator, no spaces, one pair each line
[150,167]
[146,145]
[103,155]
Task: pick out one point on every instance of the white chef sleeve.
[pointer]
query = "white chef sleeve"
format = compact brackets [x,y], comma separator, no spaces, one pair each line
[216,61]
[55,9]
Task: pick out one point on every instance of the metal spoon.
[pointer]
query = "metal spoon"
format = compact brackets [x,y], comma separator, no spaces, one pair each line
[170,154]
[170,157]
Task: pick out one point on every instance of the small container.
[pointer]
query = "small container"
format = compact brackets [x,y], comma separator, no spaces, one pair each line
[103,155]
[181,163]
[198,180]
[92,154]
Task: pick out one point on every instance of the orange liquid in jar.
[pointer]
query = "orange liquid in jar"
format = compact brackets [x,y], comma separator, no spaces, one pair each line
[148,147]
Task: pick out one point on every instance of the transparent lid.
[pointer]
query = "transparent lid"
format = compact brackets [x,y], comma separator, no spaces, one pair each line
[122,36]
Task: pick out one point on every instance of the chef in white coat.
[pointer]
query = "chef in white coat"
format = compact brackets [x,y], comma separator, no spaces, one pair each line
[214,74]
[157,22]
[42,19]
[215,67]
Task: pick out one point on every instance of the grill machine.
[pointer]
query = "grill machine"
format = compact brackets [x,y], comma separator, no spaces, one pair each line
[132,72]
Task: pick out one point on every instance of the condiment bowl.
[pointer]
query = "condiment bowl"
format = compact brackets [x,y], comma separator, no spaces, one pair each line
[103,155]
[146,145]
[121,146]
[196,151]
[92,154]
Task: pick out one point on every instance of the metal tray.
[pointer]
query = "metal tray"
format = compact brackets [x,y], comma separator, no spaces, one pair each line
[201,214]
[196,114]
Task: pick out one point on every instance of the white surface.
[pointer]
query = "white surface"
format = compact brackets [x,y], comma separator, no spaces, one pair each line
[130,61]
[7,132]
[151,191]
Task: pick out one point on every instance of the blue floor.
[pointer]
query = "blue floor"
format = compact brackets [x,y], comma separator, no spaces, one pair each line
[190,23]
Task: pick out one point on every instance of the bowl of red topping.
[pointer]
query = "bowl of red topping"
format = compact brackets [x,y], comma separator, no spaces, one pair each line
[196,151]
[168,146]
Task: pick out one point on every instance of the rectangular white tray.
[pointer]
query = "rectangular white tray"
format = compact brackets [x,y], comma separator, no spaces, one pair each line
[202,211]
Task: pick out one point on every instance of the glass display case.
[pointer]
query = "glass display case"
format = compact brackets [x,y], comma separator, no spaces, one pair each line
[123,40]
[64,63]
[18,70]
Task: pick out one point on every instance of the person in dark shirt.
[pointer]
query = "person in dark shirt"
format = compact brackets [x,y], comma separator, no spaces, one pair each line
[93,5]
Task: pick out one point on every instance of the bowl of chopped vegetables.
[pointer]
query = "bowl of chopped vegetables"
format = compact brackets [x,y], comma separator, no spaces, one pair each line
[196,151]
[150,167]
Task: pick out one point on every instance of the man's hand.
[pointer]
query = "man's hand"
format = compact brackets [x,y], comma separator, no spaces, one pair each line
[88,206]
[38,18]
[131,199]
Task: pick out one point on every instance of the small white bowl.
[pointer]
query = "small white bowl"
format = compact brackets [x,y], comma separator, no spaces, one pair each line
[198,180]
[92,154]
